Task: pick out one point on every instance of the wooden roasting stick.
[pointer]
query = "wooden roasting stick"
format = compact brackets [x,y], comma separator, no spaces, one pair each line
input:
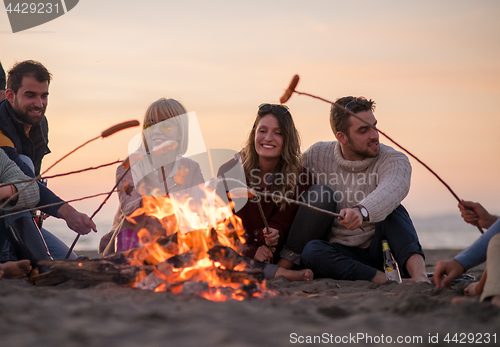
[64,174]
[105,133]
[127,163]
[291,89]
[264,219]
[53,204]
[250,193]
[97,211]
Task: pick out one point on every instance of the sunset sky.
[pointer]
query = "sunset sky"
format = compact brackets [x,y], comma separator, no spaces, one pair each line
[433,68]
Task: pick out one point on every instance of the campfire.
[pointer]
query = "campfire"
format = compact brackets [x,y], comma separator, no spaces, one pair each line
[205,260]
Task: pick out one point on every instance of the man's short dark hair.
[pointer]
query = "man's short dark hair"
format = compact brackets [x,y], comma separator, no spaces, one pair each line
[340,120]
[25,68]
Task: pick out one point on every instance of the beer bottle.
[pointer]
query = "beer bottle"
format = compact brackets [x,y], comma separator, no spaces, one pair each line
[391,268]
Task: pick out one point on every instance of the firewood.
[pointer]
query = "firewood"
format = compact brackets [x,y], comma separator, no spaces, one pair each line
[195,288]
[228,257]
[240,276]
[182,260]
[150,282]
[87,273]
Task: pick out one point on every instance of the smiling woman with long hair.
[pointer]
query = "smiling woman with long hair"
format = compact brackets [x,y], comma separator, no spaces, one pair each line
[273,148]
[272,163]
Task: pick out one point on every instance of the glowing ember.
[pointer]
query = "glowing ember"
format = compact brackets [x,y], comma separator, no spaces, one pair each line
[205,261]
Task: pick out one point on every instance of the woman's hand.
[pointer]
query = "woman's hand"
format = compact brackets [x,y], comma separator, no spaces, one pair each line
[271,238]
[473,212]
[263,254]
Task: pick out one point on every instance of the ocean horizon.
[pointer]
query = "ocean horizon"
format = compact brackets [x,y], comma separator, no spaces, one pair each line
[447,231]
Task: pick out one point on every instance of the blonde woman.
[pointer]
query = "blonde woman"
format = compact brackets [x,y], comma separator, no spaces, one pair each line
[166,128]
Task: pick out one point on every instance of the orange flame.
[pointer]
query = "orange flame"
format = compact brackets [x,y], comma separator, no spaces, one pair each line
[180,252]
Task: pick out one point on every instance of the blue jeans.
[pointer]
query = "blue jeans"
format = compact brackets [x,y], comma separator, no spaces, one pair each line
[57,248]
[308,224]
[351,263]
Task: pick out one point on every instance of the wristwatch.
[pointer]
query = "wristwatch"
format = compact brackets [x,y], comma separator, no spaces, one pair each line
[364,212]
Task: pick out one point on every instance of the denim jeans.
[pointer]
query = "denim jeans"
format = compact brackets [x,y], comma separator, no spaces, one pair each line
[57,248]
[351,263]
[308,224]
[305,242]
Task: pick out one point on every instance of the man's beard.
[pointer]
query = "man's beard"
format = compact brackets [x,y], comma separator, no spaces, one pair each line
[365,152]
[26,118]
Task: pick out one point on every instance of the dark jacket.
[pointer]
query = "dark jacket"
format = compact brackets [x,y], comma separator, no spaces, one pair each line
[2,78]
[34,147]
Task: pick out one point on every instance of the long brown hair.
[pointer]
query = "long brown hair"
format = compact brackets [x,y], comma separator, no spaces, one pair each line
[289,166]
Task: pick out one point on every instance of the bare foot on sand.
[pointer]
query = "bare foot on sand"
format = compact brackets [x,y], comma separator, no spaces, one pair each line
[416,268]
[307,275]
[460,299]
[292,275]
[15,269]
[495,300]
[473,289]
[421,278]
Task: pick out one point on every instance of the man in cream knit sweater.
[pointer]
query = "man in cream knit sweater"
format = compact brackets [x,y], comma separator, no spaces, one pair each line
[365,182]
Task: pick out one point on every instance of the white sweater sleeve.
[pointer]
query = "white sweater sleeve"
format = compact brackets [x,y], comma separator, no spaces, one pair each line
[394,178]
[10,172]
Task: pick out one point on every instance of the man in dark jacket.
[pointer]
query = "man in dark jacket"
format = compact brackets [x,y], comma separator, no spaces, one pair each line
[2,83]
[24,137]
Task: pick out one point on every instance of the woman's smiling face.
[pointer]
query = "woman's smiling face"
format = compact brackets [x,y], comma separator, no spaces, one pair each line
[268,137]
[160,132]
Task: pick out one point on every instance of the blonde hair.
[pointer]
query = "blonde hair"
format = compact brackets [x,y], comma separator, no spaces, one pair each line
[163,109]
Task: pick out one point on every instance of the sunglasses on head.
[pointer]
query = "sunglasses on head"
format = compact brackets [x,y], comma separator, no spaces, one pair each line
[282,109]
[164,127]
[351,104]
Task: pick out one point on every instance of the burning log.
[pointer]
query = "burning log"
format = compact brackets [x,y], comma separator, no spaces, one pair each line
[166,241]
[195,288]
[228,257]
[204,261]
[150,282]
[244,276]
[182,260]
[204,290]
[87,273]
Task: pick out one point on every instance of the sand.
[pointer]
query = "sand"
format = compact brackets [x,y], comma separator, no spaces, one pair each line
[324,310]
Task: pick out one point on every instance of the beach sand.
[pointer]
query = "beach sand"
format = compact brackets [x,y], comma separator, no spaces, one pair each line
[323,311]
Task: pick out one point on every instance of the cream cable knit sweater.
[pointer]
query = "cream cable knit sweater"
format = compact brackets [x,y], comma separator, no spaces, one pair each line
[10,172]
[379,184]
